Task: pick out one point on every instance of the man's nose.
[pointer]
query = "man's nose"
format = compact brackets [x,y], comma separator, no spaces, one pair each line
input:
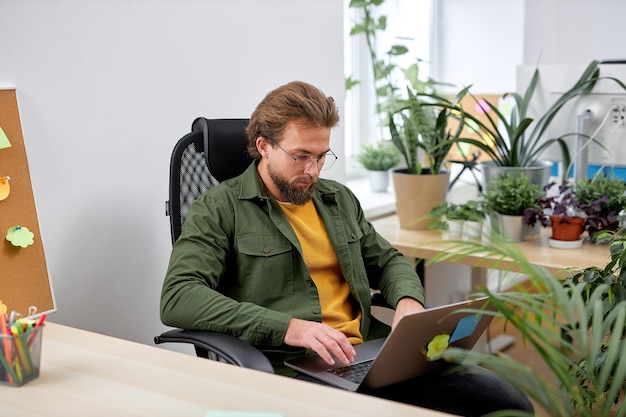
[313,168]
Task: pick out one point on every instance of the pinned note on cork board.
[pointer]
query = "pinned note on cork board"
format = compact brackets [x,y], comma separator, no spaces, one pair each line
[24,281]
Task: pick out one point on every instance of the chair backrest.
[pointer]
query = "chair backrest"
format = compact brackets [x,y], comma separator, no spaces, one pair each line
[215,150]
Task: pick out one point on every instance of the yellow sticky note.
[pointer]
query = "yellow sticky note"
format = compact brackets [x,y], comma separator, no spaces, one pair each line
[4,140]
[5,188]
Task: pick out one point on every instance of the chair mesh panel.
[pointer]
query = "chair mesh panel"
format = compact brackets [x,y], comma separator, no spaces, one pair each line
[195,178]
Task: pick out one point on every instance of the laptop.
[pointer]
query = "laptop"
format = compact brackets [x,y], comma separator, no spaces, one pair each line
[402,354]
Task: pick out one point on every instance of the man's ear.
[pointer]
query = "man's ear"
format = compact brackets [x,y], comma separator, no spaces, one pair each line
[262,145]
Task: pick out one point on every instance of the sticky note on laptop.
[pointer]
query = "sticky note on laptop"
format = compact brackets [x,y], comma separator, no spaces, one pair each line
[465,327]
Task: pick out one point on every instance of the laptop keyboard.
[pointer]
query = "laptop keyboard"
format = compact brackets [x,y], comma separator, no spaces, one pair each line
[355,372]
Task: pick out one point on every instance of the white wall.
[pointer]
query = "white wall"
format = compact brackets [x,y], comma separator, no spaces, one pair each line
[478,42]
[481,42]
[573,31]
[105,88]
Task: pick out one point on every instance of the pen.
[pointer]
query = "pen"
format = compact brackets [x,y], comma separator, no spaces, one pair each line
[40,320]
[10,373]
[18,370]
[7,346]
[23,354]
[38,323]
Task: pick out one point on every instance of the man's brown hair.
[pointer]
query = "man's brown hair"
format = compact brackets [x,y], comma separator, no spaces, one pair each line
[296,100]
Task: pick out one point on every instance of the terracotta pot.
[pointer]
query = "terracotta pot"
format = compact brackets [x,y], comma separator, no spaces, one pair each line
[417,195]
[566,230]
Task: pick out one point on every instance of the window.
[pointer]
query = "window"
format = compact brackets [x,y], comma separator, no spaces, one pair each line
[409,22]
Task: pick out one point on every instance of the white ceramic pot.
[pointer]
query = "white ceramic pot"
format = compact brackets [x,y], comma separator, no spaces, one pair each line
[455,229]
[472,230]
[379,181]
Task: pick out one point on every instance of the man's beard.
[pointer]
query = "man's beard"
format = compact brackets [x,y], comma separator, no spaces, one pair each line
[291,194]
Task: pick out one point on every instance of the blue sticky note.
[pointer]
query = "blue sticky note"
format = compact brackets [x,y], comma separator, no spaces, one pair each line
[465,327]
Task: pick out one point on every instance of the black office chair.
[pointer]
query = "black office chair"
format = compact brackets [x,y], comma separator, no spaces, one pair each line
[214,150]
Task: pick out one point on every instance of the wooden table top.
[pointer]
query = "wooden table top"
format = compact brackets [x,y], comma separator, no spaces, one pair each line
[89,374]
[425,244]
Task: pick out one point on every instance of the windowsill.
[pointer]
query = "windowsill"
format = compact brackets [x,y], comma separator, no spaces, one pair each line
[377,205]
[374,204]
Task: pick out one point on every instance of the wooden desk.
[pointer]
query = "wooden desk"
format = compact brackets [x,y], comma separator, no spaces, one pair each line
[425,244]
[88,374]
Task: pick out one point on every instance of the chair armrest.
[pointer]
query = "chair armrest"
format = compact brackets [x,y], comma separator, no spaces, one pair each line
[378,300]
[225,346]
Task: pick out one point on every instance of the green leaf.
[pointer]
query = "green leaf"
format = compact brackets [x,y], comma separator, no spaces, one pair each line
[397,50]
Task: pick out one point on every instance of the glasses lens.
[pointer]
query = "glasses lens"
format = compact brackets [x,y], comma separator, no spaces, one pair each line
[327,161]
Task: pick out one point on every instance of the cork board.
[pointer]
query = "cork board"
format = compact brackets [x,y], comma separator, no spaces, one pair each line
[24,280]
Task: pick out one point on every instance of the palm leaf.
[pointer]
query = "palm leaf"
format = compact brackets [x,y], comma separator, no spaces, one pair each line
[565,322]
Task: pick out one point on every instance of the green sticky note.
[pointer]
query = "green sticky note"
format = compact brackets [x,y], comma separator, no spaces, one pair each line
[20,236]
[4,140]
[218,413]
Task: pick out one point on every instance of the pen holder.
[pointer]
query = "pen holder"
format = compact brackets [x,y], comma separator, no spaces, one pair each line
[20,357]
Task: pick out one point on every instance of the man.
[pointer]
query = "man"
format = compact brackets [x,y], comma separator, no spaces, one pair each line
[285,260]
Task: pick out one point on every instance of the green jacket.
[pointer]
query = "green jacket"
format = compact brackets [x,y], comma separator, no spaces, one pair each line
[238,267]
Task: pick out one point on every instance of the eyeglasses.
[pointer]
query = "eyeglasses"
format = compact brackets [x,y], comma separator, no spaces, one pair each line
[303,161]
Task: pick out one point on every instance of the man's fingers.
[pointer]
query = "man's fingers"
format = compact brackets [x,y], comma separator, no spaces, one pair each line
[322,339]
[338,346]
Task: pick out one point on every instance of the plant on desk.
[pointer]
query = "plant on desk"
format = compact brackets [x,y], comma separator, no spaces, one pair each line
[458,220]
[566,214]
[576,327]
[506,198]
[605,191]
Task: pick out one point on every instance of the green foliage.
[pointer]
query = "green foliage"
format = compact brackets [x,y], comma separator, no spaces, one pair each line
[576,334]
[387,74]
[518,139]
[512,195]
[471,210]
[423,125]
[379,157]
[606,192]
[612,276]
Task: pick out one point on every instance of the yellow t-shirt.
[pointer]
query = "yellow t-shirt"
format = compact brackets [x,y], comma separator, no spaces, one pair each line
[319,255]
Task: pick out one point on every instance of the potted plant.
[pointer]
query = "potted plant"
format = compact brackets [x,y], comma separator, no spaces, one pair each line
[378,159]
[507,197]
[391,82]
[515,143]
[563,212]
[448,217]
[474,214]
[606,192]
[386,73]
[518,141]
[576,326]
[419,129]
[459,220]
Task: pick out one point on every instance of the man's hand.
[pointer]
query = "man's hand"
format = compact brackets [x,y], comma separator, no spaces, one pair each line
[405,306]
[321,338]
